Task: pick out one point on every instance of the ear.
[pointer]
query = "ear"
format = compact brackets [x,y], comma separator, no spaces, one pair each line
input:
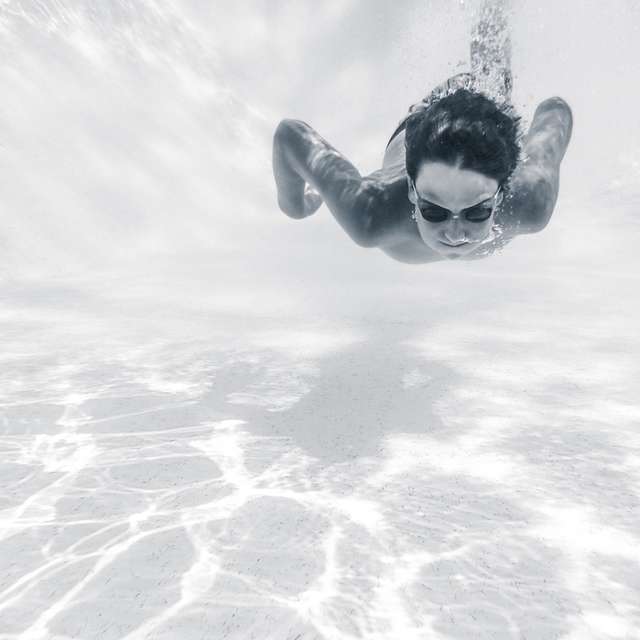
[412,193]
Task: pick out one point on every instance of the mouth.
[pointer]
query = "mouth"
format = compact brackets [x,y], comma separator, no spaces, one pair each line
[453,245]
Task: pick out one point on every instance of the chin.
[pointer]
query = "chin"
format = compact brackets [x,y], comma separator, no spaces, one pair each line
[455,252]
[450,251]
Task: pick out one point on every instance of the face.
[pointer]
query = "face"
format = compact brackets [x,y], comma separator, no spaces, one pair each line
[459,206]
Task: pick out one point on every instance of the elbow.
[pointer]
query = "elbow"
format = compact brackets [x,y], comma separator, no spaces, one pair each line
[555,103]
[283,132]
[287,128]
[559,110]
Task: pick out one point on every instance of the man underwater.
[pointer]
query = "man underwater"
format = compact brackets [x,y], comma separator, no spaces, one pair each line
[458,180]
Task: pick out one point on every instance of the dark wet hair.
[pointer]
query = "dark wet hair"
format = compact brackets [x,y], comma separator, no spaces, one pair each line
[465,127]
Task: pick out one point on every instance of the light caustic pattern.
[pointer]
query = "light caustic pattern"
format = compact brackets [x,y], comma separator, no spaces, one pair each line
[460,462]
[381,481]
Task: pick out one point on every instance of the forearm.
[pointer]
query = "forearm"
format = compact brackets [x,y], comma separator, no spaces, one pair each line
[536,183]
[305,152]
[290,184]
[301,155]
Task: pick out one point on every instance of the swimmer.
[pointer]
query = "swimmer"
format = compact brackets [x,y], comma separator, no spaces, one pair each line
[458,179]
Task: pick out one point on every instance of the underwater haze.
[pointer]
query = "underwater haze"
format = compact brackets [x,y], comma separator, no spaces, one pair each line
[218,422]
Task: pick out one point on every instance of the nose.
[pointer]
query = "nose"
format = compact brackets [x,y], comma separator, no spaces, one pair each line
[454,232]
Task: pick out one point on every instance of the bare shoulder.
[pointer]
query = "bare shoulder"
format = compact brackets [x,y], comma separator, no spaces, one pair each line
[384,196]
[400,239]
[535,184]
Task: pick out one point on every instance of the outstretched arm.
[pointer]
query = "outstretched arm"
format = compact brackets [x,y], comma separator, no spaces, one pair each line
[536,182]
[302,158]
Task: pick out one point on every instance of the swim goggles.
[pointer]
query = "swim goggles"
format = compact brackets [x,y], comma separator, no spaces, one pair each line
[480,212]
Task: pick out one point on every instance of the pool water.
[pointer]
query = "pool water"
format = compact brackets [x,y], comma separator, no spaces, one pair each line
[219,422]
